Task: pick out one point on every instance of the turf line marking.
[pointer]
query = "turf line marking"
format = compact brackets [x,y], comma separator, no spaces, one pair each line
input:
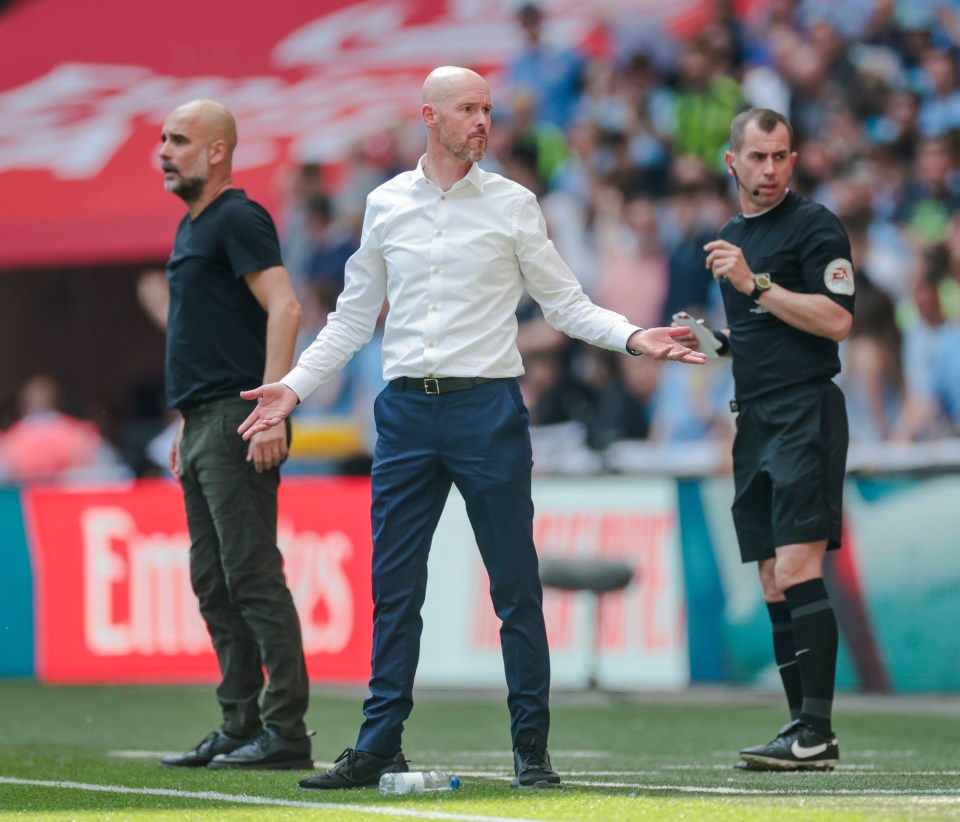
[945,796]
[244,799]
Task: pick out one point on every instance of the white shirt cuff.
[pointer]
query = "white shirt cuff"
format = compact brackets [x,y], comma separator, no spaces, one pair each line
[301,382]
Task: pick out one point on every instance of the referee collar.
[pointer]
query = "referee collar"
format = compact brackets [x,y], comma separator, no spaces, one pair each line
[786,191]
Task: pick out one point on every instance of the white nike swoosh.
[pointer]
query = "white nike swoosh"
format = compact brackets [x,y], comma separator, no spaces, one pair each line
[801,752]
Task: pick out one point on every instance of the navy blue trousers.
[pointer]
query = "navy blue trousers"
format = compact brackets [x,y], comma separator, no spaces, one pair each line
[479,440]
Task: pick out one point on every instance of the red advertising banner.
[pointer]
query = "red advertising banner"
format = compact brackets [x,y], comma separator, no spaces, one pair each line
[113,601]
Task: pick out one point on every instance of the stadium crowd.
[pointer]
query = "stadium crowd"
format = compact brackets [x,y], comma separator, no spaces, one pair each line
[621,135]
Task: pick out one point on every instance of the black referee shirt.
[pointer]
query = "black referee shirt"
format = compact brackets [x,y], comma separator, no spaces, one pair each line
[216,330]
[804,248]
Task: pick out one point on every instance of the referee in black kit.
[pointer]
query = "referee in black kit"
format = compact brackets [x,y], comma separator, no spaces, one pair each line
[787,283]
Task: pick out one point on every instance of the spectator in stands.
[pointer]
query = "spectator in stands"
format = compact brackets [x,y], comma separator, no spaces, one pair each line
[940,103]
[304,183]
[616,408]
[843,79]
[552,74]
[549,390]
[695,208]
[633,259]
[930,362]
[331,242]
[693,408]
[46,444]
[872,375]
[541,140]
[931,197]
[707,99]
[896,126]
[950,291]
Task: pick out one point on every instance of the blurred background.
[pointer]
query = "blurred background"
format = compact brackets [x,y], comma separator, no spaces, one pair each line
[616,113]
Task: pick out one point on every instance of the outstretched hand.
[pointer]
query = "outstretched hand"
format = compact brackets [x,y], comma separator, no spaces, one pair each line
[664,344]
[275,401]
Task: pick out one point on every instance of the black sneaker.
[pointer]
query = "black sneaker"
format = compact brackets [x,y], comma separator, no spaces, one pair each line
[798,747]
[355,769]
[267,751]
[214,743]
[531,763]
[741,765]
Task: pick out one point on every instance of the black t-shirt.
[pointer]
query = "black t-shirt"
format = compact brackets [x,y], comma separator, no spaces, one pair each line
[804,248]
[216,330]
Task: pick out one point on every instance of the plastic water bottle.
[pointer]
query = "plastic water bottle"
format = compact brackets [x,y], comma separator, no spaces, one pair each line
[418,782]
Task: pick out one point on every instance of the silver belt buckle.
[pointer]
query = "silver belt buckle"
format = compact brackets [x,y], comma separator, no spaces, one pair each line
[431,385]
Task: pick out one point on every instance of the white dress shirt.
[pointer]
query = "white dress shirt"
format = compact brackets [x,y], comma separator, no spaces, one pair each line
[452,266]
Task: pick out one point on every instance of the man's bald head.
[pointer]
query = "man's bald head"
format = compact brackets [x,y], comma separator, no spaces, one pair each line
[212,121]
[447,80]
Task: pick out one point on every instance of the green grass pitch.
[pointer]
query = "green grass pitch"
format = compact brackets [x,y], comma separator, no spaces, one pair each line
[91,754]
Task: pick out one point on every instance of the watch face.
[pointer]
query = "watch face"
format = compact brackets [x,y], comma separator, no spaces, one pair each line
[762,281]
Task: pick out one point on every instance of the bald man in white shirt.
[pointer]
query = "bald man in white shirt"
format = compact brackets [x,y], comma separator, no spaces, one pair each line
[452,247]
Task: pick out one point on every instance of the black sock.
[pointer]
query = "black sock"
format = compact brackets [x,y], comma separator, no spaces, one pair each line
[816,639]
[783,653]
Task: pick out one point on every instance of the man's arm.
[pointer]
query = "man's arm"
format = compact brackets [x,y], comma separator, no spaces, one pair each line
[348,328]
[567,308]
[273,290]
[814,313]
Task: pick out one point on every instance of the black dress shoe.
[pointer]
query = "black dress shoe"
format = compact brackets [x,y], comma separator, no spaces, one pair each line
[214,743]
[267,751]
[355,769]
[531,763]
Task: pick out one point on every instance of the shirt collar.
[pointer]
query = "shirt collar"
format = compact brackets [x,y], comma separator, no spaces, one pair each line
[474,176]
[786,191]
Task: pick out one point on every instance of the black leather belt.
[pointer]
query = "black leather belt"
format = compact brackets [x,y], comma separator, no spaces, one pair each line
[439,385]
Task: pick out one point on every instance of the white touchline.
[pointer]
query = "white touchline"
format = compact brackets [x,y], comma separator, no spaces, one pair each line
[805,790]
[928,796]
[246,799]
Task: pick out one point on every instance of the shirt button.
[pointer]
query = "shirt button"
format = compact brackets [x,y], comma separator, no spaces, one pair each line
[431,344]
[434,308]
[443,196]
[436,269]
[439,233]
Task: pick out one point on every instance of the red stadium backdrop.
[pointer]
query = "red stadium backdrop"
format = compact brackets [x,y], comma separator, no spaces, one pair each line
[84,88]
[113,601]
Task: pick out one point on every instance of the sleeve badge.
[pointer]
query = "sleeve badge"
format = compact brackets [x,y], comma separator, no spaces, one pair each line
[838,277]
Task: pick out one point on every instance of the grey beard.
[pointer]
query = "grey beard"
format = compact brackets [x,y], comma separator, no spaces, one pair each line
[465,153]
[189,189]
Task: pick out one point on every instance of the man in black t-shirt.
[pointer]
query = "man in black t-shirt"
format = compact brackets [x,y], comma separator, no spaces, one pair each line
[787,283]
[232,322]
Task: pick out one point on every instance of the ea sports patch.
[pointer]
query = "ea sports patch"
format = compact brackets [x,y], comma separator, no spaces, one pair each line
[838,277]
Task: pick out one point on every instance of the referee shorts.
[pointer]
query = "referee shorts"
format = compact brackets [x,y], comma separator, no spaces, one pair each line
[789,462]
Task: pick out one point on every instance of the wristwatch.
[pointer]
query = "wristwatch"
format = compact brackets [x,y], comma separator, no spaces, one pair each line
[761,283]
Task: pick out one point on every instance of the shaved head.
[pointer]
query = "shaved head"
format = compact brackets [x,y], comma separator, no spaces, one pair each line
[212,121]
[442,82]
